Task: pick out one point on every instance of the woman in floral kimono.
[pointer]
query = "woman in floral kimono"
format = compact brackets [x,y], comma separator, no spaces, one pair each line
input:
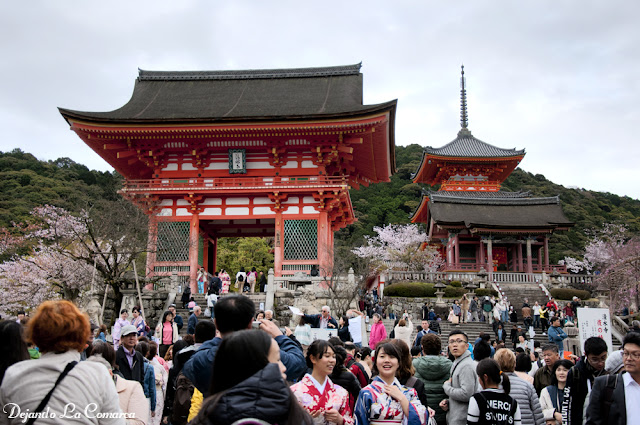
[328,403]
[226,282]
[385,401]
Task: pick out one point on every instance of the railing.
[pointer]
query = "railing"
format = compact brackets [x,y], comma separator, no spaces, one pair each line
[232,183]
[500,277]
[476,267]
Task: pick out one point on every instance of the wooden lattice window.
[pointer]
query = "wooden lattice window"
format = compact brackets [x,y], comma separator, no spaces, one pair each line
[173,241]
[300,239]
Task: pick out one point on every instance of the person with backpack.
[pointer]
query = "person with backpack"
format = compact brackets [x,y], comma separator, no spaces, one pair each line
[241,276]
[614,398]
[493,406]
[186,296]
[252,278]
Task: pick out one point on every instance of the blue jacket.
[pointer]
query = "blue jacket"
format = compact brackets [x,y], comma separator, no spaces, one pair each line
[178,321]
[557,335]
[200,366]
[418,340]
[149,386]
[191,327]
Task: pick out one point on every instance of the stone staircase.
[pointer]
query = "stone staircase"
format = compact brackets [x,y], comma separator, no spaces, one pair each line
[517,292]
[200,300]
[472,329]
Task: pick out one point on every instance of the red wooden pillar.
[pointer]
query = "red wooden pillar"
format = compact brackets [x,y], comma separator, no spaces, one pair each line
[540,258]
[520,264]
[481,261]
[529,256]
[546,251]
[325,247]
[214,245]
[194,232]
[456,252]
[278,253]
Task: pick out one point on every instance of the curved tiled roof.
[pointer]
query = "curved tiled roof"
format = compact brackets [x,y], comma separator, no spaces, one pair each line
[476,194]
[247,95]
[246,74]
[465,145]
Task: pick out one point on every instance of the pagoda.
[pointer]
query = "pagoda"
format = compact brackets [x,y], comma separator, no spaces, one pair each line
[475,223]
[249,153]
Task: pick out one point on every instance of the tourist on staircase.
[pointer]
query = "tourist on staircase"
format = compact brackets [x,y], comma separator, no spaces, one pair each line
[526,315]
[403,331]
[201,279]
[226,282]
[177,319]
[166,332]
[117,328]
[474,308]
[457,311]
[138,321]
[544,322]
[425,330]
[464,307]
[487,308]
[557,335]
[186,296]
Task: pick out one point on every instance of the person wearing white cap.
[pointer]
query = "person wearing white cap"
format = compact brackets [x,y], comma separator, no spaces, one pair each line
[130,362]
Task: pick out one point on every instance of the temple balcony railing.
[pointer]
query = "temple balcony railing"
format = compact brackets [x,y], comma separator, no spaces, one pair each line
[476,267]
[499,277]
[234,184]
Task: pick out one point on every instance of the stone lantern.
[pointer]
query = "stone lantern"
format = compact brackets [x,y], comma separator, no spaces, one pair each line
[603,297]
[555,278]
[471,287]
[439,293]
[482,277]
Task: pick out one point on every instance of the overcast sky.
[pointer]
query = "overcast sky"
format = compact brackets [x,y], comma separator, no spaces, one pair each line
[557,78]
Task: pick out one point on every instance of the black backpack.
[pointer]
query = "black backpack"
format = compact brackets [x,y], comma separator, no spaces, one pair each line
[240,278]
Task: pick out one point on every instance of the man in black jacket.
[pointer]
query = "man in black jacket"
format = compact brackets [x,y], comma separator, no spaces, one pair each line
[612,397]
[580,380]
[129,361]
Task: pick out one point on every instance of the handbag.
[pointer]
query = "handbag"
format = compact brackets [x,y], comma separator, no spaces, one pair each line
[46,398]
[207,312]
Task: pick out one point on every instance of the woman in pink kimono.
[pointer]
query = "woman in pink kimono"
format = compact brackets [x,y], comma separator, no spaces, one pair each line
[378,331]
[226,282]
[326,402]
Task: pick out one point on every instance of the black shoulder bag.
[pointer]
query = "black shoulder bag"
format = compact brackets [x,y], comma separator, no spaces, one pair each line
[46,398]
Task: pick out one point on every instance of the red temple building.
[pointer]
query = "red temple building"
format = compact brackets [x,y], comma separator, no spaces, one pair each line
[475,223]
[267,153]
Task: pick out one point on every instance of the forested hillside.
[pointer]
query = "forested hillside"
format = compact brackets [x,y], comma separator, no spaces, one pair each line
[26,182]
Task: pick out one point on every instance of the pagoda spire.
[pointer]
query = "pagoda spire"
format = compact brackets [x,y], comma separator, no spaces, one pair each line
[464,119]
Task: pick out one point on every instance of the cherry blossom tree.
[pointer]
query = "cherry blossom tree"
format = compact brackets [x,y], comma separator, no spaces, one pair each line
[62,250]
[612,254]
[398,246]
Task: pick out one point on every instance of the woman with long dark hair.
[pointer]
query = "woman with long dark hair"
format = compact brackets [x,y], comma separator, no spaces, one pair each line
[343,329]
[493,405]
[166,332]
[317,393]
[385,399]
[256,389]
[13,348]
[552,396]
[343,377]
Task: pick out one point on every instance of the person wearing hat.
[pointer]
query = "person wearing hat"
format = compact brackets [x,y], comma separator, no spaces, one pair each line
[130,362]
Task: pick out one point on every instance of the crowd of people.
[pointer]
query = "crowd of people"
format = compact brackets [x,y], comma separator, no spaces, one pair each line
[228,370]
